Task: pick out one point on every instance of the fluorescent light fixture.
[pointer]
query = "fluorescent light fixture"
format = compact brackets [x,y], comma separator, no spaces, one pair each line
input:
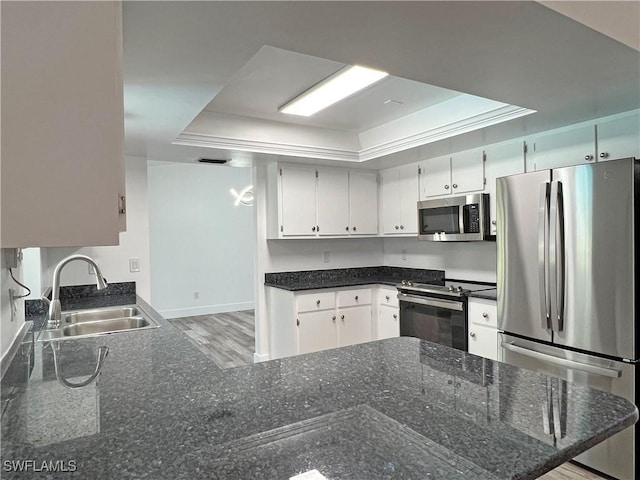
[345,82]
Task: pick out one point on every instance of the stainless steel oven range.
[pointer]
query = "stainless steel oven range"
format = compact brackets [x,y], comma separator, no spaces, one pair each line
[437,313]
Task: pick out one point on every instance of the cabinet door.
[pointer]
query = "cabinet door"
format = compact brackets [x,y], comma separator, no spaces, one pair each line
[483,341]
[390,200]
[62,169]
[317,331]
[298,200]
[563,149]
[501,161]
[435,177]
[619,138]
[333,201]
[388,322]
[363,203]
[408,181]
[467,171]
[355,325]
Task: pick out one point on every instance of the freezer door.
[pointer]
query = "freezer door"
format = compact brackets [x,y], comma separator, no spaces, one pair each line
[522,241]
[592,267]
[557,414]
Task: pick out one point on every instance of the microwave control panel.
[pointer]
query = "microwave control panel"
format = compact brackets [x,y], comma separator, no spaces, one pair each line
[472,218]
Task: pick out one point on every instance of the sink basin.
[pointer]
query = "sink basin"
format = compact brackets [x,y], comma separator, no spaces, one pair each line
[102,321]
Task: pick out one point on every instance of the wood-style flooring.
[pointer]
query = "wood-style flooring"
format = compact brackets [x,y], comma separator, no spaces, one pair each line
[570,471]
[226,338]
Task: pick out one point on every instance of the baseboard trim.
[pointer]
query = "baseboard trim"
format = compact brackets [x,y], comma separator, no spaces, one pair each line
[257,358]
[206,310]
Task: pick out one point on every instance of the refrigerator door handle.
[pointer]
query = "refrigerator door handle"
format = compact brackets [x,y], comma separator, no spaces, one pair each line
[556,256]
[563,362]
[543,254]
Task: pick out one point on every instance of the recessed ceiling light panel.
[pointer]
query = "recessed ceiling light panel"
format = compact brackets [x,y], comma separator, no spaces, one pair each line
[344,83]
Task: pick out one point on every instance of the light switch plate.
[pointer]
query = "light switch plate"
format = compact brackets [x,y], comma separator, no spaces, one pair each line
[326,257]
[134,264]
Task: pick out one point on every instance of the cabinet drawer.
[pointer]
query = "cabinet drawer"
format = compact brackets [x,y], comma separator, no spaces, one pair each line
[388,296]
[311,302]
[483,312]
[351,298]
[483,341]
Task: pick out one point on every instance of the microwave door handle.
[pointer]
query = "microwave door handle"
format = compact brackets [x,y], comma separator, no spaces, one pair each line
[461,220]
[543,254]
[563,362]
[556,256]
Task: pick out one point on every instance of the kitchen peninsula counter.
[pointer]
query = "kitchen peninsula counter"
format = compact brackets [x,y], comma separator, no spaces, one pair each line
[396,408]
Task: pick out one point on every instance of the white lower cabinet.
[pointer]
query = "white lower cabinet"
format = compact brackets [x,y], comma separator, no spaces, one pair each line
[317,331]
[388,322]
[354,325]
[483,328]
[310,321]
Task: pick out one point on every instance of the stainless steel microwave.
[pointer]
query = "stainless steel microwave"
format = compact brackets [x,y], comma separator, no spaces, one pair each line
[454,219]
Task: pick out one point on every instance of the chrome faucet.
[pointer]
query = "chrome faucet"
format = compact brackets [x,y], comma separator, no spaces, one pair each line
[54,305]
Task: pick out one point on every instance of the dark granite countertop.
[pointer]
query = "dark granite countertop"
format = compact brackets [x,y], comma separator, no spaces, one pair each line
[391,409]
[349,277]
[486,294]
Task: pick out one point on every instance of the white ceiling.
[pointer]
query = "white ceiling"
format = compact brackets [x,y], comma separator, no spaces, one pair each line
[274,76]
[183,57]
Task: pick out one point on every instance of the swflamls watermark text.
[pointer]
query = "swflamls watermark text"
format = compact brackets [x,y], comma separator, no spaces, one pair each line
[31,465]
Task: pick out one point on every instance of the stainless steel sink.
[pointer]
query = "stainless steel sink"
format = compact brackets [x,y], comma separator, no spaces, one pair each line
[89,323]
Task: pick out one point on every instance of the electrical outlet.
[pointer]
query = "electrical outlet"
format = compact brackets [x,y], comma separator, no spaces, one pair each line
[326,257]
[92,271]
[196,295]
[403,255]
[134,264]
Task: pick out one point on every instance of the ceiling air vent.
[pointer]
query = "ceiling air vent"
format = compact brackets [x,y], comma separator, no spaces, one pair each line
[216,161]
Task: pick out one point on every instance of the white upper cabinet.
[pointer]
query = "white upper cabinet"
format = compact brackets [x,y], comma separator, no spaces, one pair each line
[435,177]
[455,174]
[333,196]
[321,202]
[501,160]
[467,171]
[62,124]
[562,148]
[619,138]
[363,203]
[298,200]
[399,198]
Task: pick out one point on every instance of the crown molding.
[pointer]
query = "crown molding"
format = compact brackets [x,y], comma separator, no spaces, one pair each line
[273,148]
[475,122]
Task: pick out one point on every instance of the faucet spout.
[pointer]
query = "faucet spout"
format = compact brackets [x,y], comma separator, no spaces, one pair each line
[55,309]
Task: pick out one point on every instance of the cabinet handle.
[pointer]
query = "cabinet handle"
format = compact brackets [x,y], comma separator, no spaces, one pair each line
[387,297]
[401,227]
[356,298]
[471,334]
[333,318]
[313,229]
[455,185]
[485,315]
[317,302]
[604,154]
[395,315]
[588,158]
[342,317]
[493,222]
[397,227]
[354,229]
[446,187]
[346,228]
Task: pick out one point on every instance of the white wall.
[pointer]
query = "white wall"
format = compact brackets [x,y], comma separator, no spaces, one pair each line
[463,261]
[114,260]
[10,322]
[200,241]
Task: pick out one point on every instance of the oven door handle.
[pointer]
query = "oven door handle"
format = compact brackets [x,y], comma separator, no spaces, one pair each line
[432,302]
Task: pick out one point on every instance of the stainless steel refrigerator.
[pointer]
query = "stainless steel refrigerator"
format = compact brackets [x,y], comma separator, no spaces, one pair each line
[568,288]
